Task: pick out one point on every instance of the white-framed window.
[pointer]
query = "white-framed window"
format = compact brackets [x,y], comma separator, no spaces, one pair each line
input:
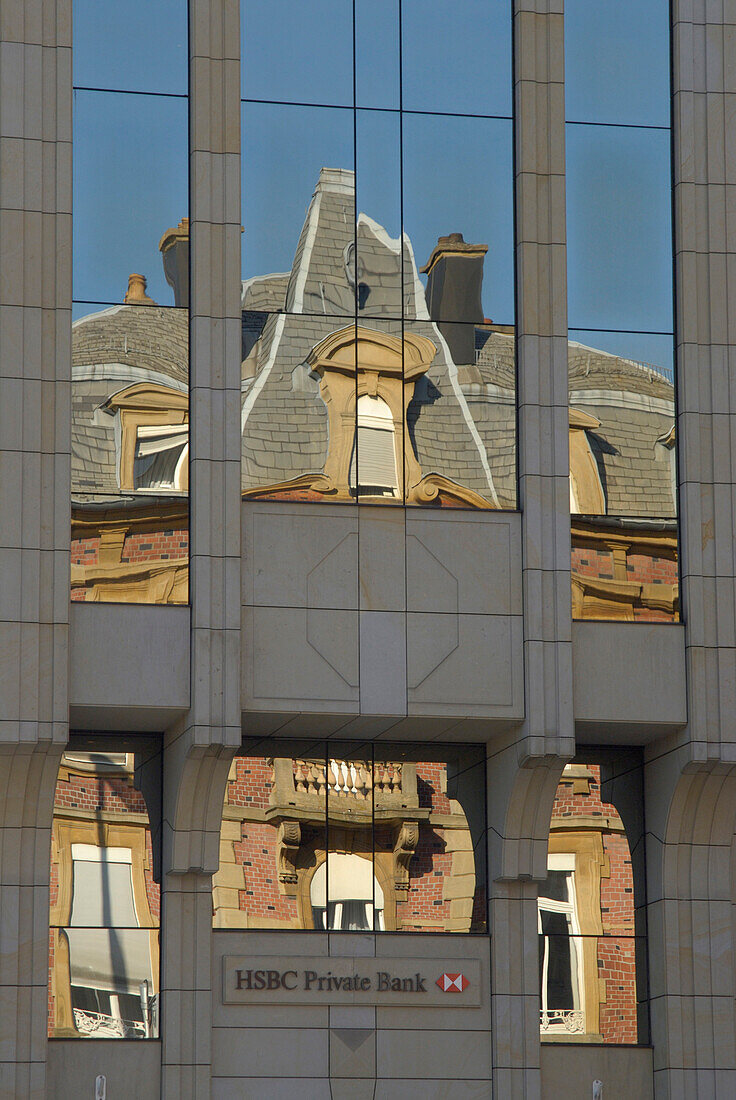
[161,457]
[377,465]
[562,1008]
[345,895]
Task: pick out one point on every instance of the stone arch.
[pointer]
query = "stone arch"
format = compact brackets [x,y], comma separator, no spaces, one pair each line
[692,875]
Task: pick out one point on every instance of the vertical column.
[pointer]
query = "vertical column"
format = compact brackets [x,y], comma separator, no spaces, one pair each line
[704,55]
[198,751]
[35,385]
[542,375]
[691,808]
[523,772]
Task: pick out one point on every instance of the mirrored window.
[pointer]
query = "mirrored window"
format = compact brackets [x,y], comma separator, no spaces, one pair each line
[622,437]
[378,277]
[105,895]
[130,332]
[591,933]
[351,837]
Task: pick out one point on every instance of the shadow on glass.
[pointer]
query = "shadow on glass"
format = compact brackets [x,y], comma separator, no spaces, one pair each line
[105,894]
[351,837]
[592,930]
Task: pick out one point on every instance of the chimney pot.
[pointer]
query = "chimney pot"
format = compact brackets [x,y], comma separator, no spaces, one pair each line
[136,294]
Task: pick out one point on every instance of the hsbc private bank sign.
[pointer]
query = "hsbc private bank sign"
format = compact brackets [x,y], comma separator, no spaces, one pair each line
[306,980]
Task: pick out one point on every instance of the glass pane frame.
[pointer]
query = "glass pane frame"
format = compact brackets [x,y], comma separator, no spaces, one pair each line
[115,961]
[354,839]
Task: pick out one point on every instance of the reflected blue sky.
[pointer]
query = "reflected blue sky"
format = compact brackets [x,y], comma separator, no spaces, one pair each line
[617,61]
[139,46]
[130,156]
[619,228]
[130,186]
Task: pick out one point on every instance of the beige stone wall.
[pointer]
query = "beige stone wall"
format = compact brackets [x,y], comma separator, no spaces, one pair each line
[343,633]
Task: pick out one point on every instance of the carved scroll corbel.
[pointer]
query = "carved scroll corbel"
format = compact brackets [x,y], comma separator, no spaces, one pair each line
[404,849]
[288,842]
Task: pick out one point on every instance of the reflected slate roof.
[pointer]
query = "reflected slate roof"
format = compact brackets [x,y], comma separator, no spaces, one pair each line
[112,350]
[284,417]
[462,417]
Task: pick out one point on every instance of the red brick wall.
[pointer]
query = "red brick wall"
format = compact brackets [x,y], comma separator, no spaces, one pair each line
[616,960]
[419,909]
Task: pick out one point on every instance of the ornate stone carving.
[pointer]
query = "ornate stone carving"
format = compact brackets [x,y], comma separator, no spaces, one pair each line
[289,840]
[407,838]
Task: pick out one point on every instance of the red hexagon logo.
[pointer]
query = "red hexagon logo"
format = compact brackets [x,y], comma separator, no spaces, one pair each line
[452,983]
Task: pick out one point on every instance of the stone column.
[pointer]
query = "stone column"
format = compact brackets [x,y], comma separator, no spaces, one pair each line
[691,780]
[524,770]
[198,751]
[35,390]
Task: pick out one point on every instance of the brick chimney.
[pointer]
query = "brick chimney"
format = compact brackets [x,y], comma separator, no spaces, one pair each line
[174,247]
[454,280]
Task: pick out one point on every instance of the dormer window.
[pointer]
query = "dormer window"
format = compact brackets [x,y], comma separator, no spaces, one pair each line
[375,453]
[161,457]
[152,437]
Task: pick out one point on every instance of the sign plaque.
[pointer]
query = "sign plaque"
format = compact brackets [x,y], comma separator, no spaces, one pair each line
[354,980]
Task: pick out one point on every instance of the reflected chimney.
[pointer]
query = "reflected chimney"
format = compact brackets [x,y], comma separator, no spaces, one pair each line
[174,247]
[136,295]
[454,279]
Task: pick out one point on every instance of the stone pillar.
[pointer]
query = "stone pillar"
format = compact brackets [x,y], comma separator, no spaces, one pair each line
[691,818]
[691,781]
[524,771]
[198,751]
[35,390]
[520,802]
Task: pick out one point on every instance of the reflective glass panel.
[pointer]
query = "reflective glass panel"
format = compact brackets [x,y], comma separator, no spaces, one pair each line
[377,69]
[622,437]
[130,47]
[353,837]
[359,211]
[298,207]
[106,895]
[130,266]
[592,926]
[457,57]
[617,66]
[131,185]
[297,53]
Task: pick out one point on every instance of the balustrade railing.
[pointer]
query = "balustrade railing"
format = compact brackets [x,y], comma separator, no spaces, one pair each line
[570,1020]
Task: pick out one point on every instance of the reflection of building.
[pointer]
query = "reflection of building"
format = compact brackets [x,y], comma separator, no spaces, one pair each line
[343,401]
[105,904]
[586,917]
[330,843]
[130,451]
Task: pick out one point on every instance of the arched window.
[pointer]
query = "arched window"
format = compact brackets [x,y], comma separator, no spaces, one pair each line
[355,896]
[376,450]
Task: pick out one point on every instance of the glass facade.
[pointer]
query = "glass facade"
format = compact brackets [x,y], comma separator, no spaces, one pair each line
[623,484]
[378,274]
[592,923]
[105,892]
[130,332]
[353,837]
